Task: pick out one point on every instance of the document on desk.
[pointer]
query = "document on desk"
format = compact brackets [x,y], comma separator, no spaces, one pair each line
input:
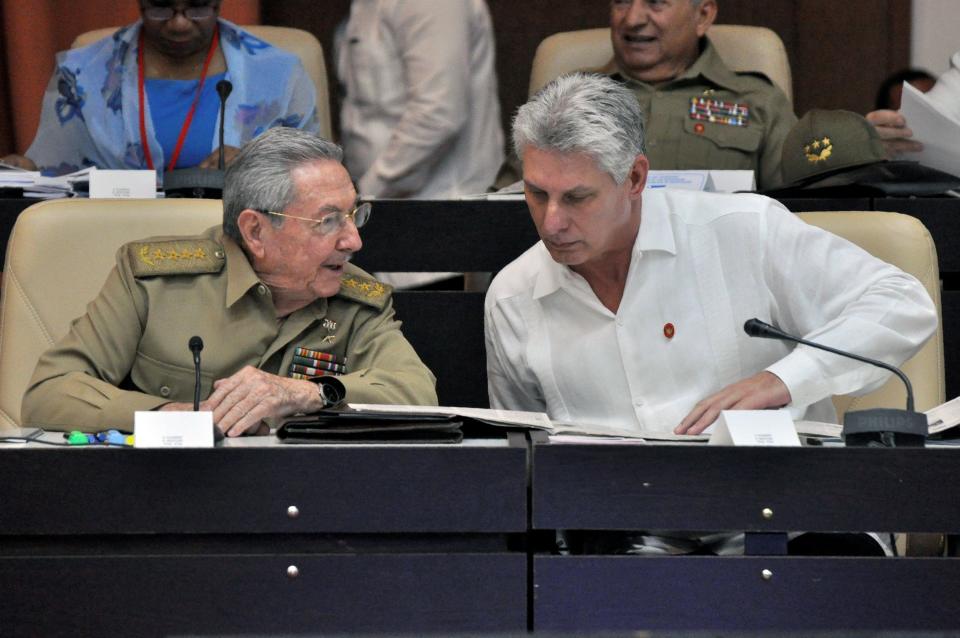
[531,420]
[939,133]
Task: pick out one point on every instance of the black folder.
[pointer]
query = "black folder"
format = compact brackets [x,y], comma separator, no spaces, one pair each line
[351,426]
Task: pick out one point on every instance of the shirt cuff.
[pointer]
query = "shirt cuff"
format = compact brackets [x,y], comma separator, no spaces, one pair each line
[803,376]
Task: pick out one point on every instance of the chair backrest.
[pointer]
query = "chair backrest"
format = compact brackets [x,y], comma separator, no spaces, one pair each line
[297,41]
[743,48]
[906,243]
[58,256]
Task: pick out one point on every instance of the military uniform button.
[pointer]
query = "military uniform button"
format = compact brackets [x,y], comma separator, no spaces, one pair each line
[164,391]
[261,290]
[218,254]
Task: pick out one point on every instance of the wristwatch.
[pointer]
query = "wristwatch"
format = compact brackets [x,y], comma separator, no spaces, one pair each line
[331,389]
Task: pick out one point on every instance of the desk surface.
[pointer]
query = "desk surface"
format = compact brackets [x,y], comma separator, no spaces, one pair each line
[430,538]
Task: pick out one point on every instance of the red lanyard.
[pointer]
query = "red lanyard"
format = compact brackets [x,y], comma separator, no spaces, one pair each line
[193,107]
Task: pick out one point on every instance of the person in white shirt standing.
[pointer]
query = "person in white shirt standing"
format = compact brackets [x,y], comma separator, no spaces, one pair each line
[420,117]
[629,312]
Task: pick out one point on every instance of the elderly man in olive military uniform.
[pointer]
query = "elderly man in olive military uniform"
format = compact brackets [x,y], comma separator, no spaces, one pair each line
[701,114]
[271,294]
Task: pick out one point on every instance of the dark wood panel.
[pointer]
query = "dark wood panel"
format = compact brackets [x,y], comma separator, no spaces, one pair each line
[372,489]
[697,593]
[687,488]
[410,594]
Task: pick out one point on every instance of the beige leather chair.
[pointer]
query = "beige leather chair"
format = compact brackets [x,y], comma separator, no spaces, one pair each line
[743,48]
[905,242]
[304,44]
[58,257]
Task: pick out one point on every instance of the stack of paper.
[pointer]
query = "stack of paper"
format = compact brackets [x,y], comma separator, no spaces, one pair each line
[939,133]
[39,186]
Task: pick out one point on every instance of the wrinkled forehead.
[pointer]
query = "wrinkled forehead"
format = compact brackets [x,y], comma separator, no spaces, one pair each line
[323,184]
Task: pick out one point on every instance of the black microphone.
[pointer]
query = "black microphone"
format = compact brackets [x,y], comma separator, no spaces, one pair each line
[224,87]
[201,182]
[884,426]
[196,345]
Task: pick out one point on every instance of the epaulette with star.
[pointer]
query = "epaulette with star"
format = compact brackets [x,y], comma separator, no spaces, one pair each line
[365,290]
[175,257]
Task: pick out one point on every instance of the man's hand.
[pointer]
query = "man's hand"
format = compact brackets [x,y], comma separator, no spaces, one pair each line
[19,161]
[892,128]
[761,391]
[213,159]
[241,402]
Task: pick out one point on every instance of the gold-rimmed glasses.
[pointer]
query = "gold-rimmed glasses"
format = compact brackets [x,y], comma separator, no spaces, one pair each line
[333,222]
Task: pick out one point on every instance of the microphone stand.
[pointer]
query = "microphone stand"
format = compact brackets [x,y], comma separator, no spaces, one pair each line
[201,182]
[877,427]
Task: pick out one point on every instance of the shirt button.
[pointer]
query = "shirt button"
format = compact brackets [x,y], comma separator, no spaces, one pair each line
[261,290]
[659,93]
[164,391]
[638,403]
[620,321]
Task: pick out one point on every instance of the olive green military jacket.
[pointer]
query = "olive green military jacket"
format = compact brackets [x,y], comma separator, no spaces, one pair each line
[677,139]
[129,352]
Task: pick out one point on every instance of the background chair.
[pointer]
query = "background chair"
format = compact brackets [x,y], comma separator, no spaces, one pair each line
[58,257]
[906,243]
[743,48]
[297,41]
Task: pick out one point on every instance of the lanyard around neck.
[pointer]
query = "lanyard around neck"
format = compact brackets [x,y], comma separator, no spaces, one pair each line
[193,107]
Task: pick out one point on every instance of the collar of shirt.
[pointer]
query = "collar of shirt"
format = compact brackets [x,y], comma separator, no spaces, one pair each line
[709,66]
[241,277]
[655,234]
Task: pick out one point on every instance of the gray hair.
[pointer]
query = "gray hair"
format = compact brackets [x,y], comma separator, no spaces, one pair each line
[259,178]
[584,113]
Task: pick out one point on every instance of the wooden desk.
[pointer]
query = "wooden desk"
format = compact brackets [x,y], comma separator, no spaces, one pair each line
[692,488]
[408,539]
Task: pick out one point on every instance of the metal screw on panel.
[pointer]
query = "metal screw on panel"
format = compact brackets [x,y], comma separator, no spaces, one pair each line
[293,512]
[292,571]
[766,574]
[767,513]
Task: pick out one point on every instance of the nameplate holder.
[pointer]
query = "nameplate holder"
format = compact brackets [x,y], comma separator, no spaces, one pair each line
[763,428]
[731,181]
[123,184]
[173,429]
[682,180]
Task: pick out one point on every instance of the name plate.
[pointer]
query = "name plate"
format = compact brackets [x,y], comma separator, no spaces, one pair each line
[172,429]
[755,428]
[123,184]
[683,180]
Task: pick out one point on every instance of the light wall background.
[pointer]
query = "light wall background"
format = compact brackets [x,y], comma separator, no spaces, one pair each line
[936,34]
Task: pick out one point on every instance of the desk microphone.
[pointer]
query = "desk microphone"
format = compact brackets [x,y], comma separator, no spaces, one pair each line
[196,345]
[201,182]
[224,87]
[879,427]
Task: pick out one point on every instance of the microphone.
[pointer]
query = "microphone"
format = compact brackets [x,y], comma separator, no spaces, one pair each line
[224,87]
[884,427]
[196,345]
[201,182]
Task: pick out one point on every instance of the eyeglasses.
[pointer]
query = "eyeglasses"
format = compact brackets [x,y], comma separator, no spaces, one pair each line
[333,222]
[162,14]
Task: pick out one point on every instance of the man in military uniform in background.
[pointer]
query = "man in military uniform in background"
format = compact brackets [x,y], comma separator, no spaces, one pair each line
[701,114]
[271,293]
